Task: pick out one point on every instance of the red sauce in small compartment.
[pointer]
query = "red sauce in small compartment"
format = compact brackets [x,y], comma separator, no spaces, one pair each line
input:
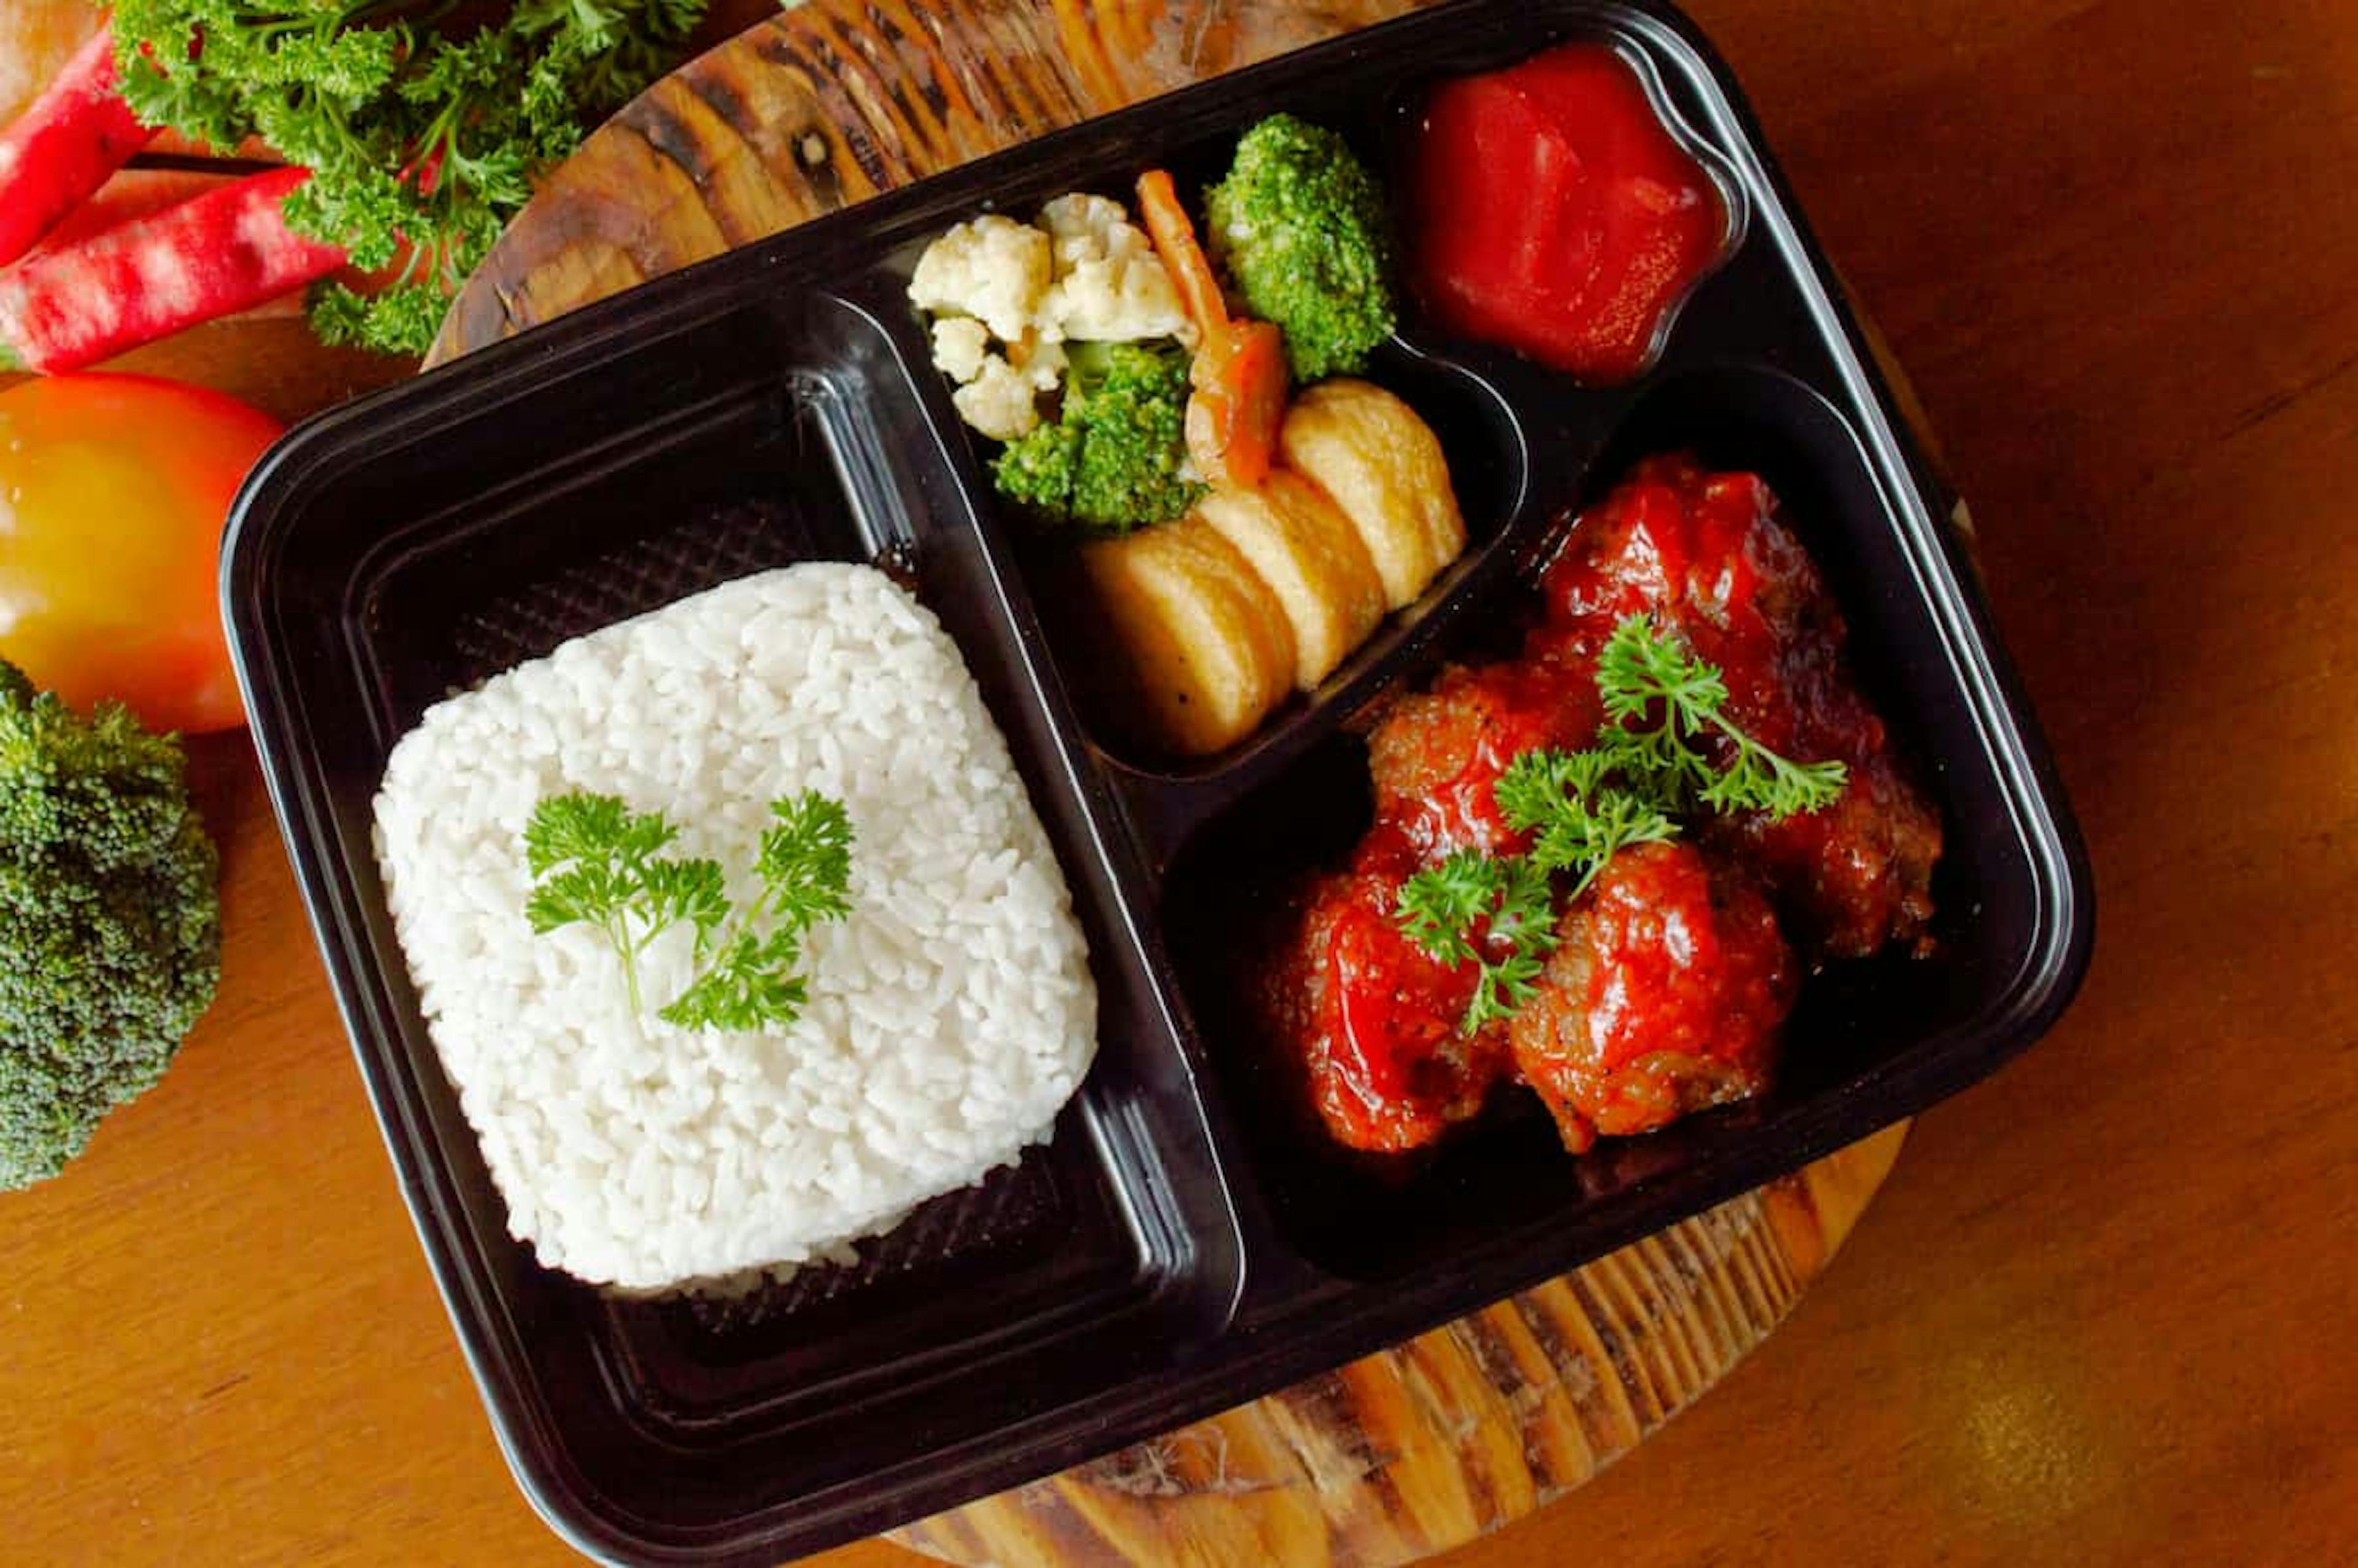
[1554,213]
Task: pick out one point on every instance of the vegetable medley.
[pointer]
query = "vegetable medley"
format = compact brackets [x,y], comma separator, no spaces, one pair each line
[1246,511]
[1152,388]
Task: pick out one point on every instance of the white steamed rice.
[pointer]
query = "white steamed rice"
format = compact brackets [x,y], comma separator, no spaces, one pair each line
[950,1015]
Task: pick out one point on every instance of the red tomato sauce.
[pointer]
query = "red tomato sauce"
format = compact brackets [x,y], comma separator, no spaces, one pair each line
[1674,972]
[1672,982]
[1705,553]
[1553,212]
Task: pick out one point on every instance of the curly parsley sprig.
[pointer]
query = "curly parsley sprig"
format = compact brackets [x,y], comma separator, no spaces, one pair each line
[1583,807]
[1493,911]
[421,143]
[1640,667]
[596,861]
[1578,820]
[1499,911]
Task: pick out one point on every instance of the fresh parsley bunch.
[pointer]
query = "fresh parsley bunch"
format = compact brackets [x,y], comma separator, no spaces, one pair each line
[421,144]
[1583,807]
[596,861]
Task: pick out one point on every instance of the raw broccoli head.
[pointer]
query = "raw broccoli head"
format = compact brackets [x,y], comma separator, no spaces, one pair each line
[1299,226]
[110,928]
[1115,458]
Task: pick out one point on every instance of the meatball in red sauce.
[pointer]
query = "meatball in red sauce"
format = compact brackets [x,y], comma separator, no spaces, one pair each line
[1675,966]
[1663,996]
[1435,754]
[1376,1020]
[1706,555]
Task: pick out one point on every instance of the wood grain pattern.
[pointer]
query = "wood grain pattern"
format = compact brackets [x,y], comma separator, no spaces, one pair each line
[1438,1442]
[832,102]
[1391,1458]
[2097,1316]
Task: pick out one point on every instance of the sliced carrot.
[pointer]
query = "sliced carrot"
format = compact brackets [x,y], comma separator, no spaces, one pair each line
[1239,378]
[1238,374]
[1174,242]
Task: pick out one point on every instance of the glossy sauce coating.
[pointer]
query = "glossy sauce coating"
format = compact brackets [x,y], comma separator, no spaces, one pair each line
[1675,969]
[1663,997]
[1554,212]
[1707,553]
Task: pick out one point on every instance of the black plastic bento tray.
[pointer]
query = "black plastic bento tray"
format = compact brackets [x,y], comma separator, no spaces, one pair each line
[1177,1248]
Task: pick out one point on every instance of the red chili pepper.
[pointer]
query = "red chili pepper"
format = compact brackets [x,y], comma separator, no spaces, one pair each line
[138,193]
[212,256]
[61,148]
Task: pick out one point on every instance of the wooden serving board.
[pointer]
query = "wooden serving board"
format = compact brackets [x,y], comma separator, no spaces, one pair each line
[1400,1454]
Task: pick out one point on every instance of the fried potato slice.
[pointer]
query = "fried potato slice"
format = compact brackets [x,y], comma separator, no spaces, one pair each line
[1208,646]
[1313,559]
[1384,468]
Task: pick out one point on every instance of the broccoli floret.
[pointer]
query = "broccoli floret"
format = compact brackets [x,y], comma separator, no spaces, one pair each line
[110,921]
[1299,227]
[1035,471]
[1115,459]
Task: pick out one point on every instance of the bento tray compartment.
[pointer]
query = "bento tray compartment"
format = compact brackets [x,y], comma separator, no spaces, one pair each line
[441,570]
[1506,1180]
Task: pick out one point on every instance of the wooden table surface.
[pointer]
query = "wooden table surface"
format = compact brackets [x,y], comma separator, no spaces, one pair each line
[2102,1313]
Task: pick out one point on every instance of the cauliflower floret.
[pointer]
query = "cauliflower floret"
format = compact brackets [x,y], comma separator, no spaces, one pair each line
[1109,286]
[1041,361]
[992,269]
[1005,297]
[959,344]
[1093,221]
[997,401]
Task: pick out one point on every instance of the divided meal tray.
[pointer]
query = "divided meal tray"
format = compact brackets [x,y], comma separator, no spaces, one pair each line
[1177,1248]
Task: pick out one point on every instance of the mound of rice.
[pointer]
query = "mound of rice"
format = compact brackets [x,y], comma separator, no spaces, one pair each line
[950,1015]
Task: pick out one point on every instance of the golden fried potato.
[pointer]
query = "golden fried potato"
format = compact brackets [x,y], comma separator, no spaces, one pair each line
[1312,560]
[1209,649]
[1383,467]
